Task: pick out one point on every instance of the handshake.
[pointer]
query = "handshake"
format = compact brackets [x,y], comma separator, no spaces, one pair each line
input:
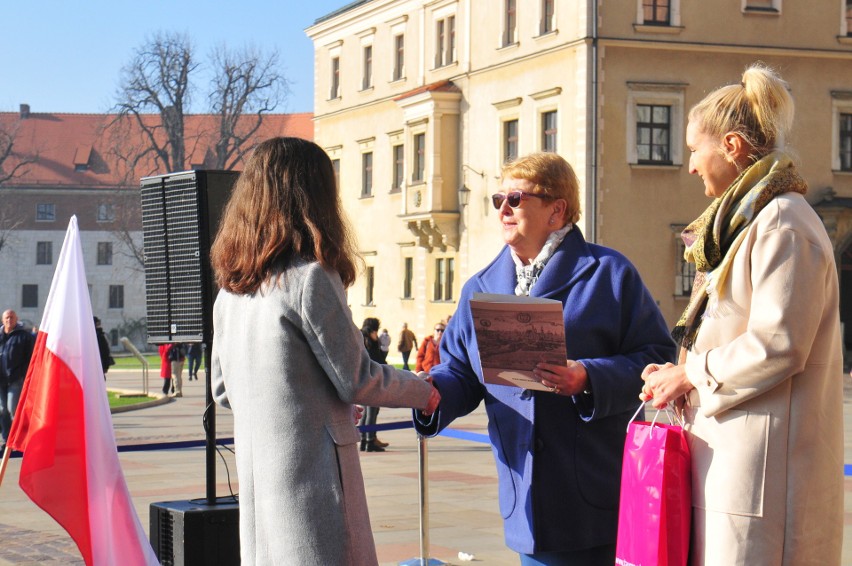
[434,395]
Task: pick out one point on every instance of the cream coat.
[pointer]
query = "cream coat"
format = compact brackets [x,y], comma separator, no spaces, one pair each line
[766,414]
[289,362]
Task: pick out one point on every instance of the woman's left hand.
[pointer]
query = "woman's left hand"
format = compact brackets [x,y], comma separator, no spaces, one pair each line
[664,384]
[570,379]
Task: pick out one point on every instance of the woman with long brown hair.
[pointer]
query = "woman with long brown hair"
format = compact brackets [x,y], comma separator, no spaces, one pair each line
[289,362]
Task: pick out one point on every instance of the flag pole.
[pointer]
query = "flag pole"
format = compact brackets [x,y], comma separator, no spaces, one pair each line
[6,452]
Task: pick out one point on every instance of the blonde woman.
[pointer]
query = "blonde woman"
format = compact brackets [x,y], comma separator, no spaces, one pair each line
[759,377]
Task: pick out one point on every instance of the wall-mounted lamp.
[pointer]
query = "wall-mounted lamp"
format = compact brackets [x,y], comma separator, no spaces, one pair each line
[464,196]
[469,168]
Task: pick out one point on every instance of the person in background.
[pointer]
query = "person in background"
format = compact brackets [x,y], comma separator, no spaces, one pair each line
[193,360]
[429,353]
[370,329]
[558,452]
[283,258]
[759,376]
[16,350]
[177,357]
[103,346]
[407,342]
[384,344]
[165,367]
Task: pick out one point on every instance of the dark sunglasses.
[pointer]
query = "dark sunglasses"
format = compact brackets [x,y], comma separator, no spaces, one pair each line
[514,198]
[439,330]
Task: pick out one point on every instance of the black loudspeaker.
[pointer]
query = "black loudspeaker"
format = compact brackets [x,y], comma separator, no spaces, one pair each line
[194,533]
[180,216]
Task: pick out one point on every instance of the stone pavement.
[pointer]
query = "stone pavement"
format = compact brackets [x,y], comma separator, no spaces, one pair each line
[463,513]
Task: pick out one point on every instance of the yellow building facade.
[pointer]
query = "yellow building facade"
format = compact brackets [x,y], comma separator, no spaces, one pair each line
[420,102]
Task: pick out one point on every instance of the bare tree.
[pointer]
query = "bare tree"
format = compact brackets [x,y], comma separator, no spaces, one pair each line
[12,164]
[246,84]
[157,81]
[10,218]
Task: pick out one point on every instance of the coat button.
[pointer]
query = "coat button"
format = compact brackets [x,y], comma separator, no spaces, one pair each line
[539,445]
[526,394]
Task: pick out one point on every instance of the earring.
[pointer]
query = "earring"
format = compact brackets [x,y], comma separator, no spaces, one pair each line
[551,222]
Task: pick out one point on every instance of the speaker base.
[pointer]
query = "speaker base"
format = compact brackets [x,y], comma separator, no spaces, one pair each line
[195,532]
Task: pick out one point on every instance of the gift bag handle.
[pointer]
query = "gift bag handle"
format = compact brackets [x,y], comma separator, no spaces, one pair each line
[654,421]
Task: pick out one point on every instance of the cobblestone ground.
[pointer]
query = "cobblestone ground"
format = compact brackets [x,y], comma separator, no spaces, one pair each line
[36,548]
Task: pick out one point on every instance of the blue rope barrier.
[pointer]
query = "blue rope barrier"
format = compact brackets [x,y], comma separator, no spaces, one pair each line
[448,432]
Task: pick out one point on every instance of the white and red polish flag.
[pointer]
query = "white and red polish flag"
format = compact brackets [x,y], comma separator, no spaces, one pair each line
[63,426]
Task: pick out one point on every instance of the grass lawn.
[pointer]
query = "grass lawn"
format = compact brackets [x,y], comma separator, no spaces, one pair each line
[116,401]
[131,362]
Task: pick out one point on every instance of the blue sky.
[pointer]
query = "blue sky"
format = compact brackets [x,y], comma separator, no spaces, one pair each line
[67,55]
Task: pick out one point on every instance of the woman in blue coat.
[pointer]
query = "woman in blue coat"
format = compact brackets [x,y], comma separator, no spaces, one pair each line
[558,452]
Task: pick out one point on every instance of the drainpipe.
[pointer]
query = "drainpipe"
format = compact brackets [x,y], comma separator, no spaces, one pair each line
[592,169]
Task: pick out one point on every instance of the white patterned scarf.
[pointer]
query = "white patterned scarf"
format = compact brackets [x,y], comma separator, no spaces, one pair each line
[528,274]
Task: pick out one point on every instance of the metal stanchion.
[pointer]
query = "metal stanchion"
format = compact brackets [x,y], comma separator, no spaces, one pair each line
[128,345]
[423,560]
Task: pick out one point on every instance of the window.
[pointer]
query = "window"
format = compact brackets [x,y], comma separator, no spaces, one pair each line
[367,174]
[510,140]
[510,19]
[656,12]
[846,142]
[768,6]
[371,282]
[848,18]
[419,174]
[46,212]
[655,123]
[106,213]
[104,253]
[547,24]
[445,41]
[548,131]
[399,57]
[116,296]
[335,164]
[444,273]
[408,279]
[684,270]
[29,296]
[334,92]
[653,132]
[367,76]
[398,167]
[44,253]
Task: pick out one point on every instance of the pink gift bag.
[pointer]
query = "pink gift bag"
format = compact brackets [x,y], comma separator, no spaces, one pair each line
[655,511]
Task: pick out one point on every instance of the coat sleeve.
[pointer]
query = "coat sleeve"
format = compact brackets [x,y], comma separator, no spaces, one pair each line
[456,380]
[338,346]
[637,336]
[789,278]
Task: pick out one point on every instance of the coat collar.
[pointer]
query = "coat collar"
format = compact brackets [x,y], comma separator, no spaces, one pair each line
[571,259]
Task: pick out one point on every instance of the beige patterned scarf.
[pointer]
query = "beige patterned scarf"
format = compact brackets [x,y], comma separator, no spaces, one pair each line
[713,238]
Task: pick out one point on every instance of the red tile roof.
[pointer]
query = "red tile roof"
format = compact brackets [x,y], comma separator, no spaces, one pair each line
[74,150]
[445,85]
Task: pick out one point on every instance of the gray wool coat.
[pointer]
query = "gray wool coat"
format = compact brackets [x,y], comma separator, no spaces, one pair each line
[289,362]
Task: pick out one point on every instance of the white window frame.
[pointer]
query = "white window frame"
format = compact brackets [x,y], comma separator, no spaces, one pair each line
[684,271]
[845,30]
[756,7]
[367,66]
[505,40]
[542,18]
[674,14]
[335,82]
[841,103]
[658,94]
[447,52]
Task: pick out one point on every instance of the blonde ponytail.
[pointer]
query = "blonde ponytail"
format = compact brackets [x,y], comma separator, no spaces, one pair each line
[759,109]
